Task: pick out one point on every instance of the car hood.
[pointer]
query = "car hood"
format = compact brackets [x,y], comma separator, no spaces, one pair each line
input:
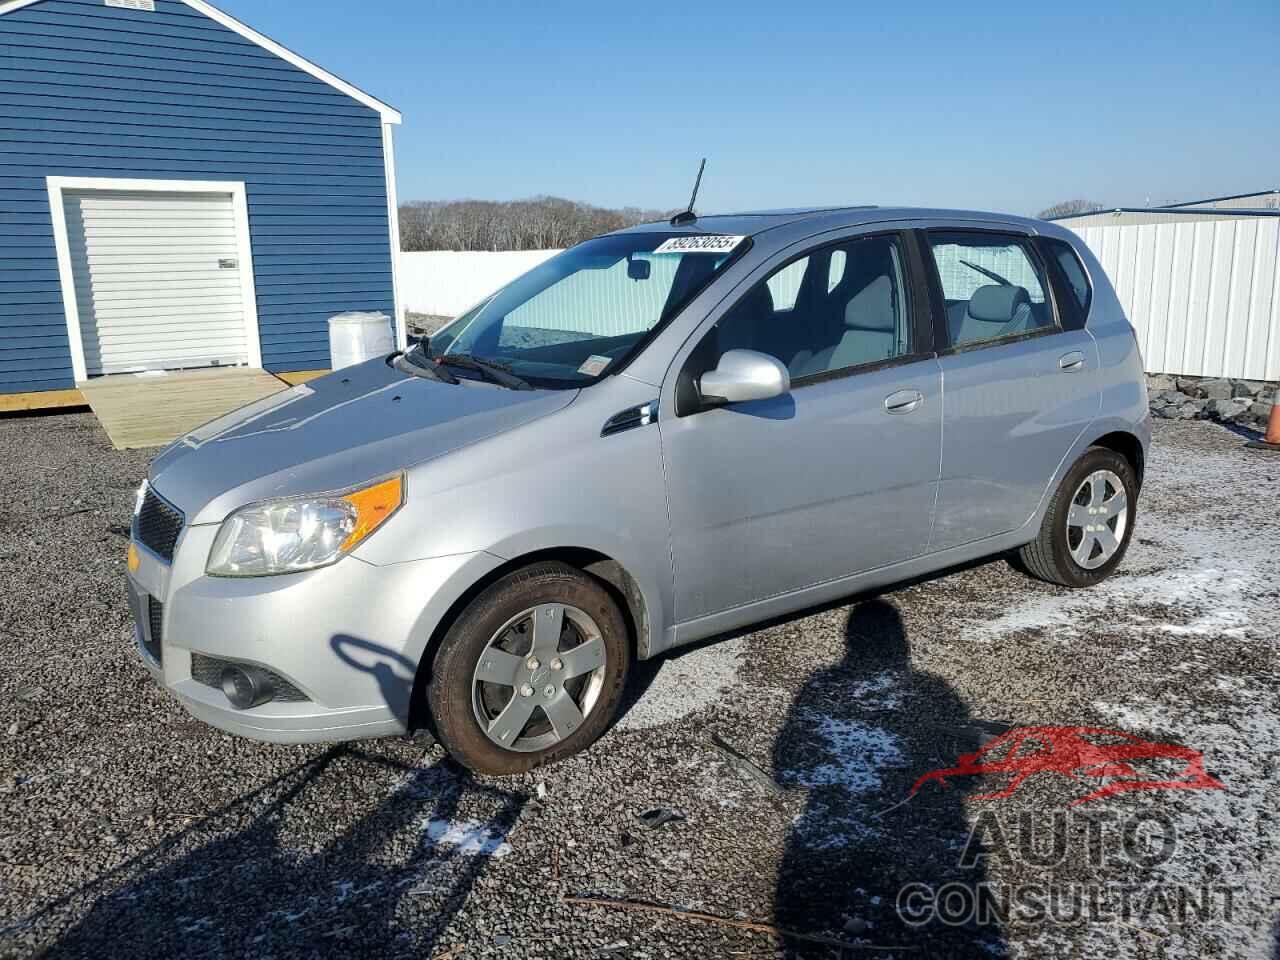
[335,432]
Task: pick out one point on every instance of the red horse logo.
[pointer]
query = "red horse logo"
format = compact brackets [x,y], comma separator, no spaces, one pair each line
[1077,752]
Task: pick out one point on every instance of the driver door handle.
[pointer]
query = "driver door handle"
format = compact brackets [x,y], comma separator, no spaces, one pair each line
[904,401]
[1071,361]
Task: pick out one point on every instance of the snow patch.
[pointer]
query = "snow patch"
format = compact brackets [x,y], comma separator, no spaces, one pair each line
[1240,740]
[881,692]
[858,753]
[1210,565]
[686,683]
[468,837]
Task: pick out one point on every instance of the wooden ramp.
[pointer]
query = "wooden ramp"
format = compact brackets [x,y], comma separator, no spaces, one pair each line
[153,409]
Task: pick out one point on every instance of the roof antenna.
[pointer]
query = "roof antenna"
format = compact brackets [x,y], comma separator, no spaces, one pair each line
[688,216]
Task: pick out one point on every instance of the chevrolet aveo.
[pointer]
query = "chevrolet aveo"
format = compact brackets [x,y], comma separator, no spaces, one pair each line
[653,438]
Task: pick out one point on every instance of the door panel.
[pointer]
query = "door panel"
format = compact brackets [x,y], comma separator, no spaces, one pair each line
[772,496]
[1012,411]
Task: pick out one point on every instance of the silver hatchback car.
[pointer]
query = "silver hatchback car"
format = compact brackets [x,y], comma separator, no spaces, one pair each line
[653,438]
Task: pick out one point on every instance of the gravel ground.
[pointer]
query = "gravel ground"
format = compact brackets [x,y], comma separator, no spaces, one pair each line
[127,829]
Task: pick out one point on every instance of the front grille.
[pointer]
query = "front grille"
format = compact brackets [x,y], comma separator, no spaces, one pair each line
[158,524]
[155,629]
[208,670]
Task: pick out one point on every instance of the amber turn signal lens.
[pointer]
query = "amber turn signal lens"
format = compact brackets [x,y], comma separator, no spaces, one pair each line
[135,560]
[373,506]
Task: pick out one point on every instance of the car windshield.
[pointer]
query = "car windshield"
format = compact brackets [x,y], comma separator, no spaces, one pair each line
[580,315]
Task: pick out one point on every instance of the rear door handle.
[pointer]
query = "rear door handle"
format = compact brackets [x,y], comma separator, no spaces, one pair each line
[1072,361]
[904,401]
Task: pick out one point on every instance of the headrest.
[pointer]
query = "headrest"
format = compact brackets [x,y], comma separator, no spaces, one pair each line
[997,303]
[872,308]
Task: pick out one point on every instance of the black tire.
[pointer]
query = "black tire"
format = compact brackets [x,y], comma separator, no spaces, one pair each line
[1048,557]
[453,675]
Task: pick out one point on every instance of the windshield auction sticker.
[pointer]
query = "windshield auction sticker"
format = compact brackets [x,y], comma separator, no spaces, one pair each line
[707,244]
[594,365]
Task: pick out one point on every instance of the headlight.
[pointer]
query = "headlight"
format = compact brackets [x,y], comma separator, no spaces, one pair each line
[301,533]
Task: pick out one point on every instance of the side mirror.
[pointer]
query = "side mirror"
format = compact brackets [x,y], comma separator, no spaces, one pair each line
[743,375]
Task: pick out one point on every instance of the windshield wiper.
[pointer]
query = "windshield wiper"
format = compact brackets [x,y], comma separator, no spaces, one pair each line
[499,373]
[989,274]
[428,370]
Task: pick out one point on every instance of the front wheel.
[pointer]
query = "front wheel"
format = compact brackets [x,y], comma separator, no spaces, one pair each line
[532,671]
[1087,528]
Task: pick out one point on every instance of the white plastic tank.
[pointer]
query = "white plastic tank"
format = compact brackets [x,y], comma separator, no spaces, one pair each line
[357,337]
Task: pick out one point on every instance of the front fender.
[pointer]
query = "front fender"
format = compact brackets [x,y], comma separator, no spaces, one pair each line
[552,485]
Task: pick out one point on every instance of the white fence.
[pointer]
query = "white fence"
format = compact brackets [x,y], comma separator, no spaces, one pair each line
[446,282]
[1203,296]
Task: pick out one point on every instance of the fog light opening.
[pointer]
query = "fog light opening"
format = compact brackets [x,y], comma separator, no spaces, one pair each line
[247,687]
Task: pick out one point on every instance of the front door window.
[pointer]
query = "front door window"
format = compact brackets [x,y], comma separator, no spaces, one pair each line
[837,308]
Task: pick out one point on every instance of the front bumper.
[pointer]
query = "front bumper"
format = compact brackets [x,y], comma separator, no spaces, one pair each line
[348,637]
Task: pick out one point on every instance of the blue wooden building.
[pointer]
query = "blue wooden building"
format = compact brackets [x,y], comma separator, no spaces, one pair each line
[179,191]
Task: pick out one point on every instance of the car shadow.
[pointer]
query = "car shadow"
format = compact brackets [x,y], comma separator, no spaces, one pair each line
[266,875]
[856,738]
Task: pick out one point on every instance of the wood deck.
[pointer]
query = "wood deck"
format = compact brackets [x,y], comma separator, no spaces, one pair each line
[153,410]
[40,400]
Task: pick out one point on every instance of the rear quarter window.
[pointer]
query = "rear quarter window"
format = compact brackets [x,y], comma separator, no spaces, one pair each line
[1068,274]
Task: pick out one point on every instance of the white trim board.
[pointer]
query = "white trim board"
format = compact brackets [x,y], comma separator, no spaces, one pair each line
[393,224]
[66,277]
[389,113]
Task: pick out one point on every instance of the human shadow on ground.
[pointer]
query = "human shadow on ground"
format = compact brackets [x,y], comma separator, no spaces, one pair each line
[265,875]
[856,738]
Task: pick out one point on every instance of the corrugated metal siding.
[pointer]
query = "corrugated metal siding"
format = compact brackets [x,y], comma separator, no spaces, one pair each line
[1204,296]
[88,90]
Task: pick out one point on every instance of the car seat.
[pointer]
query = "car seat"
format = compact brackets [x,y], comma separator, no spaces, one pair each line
[994,310]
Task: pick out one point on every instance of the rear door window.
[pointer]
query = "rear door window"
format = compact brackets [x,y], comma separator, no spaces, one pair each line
[994,286]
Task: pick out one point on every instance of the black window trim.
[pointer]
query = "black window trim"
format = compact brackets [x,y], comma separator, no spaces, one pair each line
[942,335]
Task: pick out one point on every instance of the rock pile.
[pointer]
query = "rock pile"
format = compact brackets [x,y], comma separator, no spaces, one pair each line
[1244,402]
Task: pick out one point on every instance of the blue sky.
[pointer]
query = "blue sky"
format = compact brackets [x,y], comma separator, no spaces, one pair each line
[987,105]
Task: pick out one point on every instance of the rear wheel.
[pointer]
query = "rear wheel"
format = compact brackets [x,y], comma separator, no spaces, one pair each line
[532,671]
[1087,528]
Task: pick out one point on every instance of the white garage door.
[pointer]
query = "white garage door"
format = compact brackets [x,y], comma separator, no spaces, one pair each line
[157,279]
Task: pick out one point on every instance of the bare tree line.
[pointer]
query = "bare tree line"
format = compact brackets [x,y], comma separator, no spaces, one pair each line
[539,223]
[1069,208]
[546,223]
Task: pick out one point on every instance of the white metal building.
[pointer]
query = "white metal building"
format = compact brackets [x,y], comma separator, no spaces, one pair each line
[1200,284]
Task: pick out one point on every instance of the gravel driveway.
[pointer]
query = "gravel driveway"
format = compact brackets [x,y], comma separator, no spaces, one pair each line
[127,829]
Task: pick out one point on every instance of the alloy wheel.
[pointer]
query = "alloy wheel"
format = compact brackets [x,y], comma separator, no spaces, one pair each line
[539,677]
[1097,519]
